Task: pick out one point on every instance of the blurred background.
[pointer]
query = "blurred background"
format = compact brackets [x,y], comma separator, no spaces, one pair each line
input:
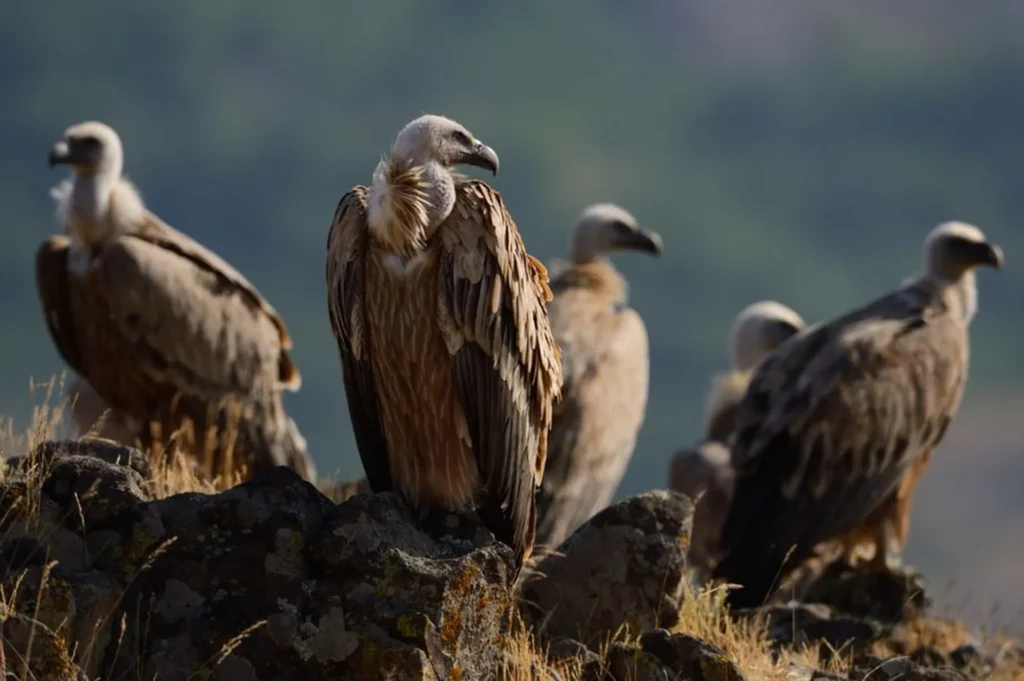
[799,153]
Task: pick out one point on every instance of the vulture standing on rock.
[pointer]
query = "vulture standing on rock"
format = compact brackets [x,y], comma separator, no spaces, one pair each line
[164,331]
[759,329]
[836,417]
[605,371]
[449,364]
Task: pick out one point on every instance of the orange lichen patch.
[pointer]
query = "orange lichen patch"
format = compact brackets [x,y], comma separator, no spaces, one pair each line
[450,629]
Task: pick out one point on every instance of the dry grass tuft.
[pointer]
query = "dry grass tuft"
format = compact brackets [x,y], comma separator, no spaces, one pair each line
[36,645]
[36,642]
[704,615]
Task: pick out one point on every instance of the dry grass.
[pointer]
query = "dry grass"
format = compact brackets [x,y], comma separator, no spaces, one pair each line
[36,643]
[704,615]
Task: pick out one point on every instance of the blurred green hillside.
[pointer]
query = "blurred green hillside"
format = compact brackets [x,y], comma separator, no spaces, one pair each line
[798,153]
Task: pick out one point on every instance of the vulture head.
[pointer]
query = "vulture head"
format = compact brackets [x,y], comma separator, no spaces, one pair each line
[955,248]
[604,228]
[414,188]
[92,149]
[758,330]
[438,140]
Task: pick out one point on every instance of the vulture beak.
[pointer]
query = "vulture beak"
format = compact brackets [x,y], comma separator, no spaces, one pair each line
[482,156]
[990,255]
[59,153]
[643,240]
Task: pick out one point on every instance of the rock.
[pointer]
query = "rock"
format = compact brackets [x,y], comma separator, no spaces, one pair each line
[661,656]
[565,649]
[799,672]
[450,598]
[801,623]
[98,494]
[50,658]
[105,450]
[869,668]
[689,657]
[968,658]
[888,597]
[629,663]
[267,580]
[625,566]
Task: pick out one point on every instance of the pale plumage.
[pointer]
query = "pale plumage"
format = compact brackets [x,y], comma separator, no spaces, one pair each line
[605,371]
[757,331]
[165,331]
[833,420]
[449,365]
[703,472]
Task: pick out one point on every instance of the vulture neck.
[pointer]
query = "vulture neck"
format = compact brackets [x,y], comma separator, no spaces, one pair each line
[959,294]
[597,275]
[407,203]
[962,296]
[746,353]
[95,207]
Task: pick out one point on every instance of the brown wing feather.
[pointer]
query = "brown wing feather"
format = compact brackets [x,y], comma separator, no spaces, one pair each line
[156,231]
[506,362]
[55,296]
[192,331]
[347,247]
[828,427]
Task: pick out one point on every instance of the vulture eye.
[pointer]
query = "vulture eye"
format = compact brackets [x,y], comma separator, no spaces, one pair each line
[461,138]
[88,142]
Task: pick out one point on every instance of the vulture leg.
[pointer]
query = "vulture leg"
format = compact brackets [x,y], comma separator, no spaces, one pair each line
[901,517]
[880,537]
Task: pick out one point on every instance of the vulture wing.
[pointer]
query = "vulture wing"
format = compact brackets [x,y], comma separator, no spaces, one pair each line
[506,362]
[196,323]
[604,393]
[829,424]
[54,292]
[347,247]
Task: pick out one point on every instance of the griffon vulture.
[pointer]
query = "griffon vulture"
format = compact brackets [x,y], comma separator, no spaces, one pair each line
[449,365]
[604,372]
[704,471]
[833,419]
[758,330]
[164,331]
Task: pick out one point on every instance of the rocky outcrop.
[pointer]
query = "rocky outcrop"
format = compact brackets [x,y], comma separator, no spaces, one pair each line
[268,580]
[273,581]
[625,567]
[657,656]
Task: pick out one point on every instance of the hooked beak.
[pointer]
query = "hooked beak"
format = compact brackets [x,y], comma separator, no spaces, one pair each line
[482,156]
[643,240]
[59,153]
[990,255]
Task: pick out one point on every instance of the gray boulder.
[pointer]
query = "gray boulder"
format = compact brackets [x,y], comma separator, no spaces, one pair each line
[268,580]
[625,566]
